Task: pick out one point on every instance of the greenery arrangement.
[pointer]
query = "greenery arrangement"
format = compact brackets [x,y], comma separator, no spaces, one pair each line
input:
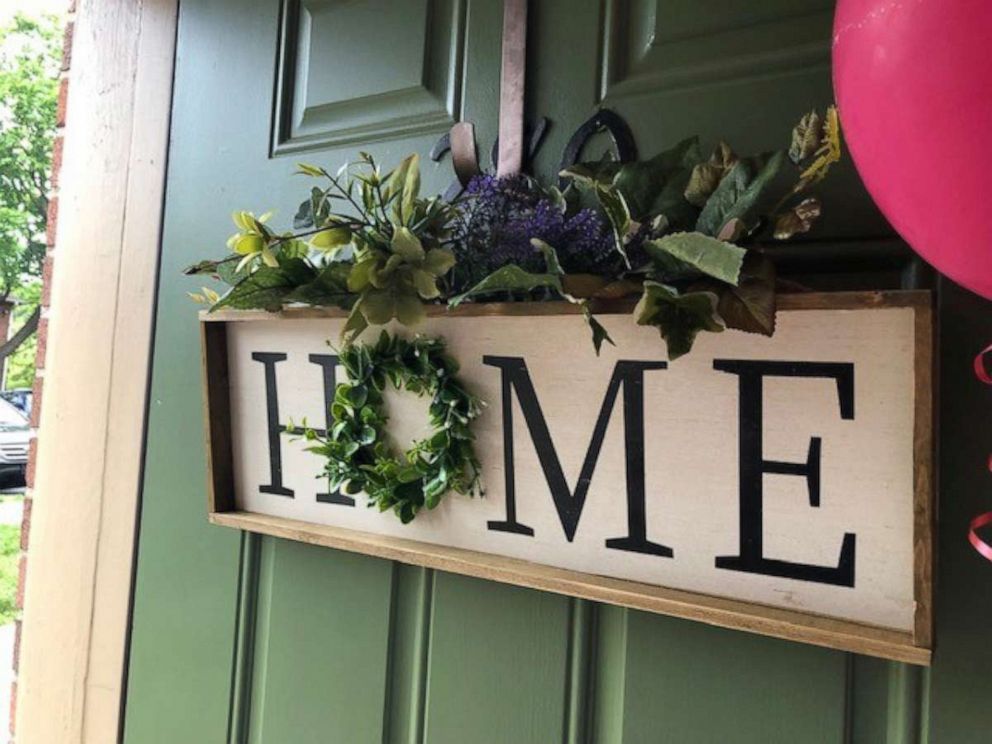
[680,230]
[359,457]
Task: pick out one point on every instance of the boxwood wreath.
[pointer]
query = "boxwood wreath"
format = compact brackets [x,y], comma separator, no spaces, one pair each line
[359,457]
[691,236]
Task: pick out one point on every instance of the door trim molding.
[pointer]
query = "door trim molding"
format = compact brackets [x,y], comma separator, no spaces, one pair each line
[87,478]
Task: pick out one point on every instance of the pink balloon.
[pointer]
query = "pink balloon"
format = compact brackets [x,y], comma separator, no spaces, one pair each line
[913,80]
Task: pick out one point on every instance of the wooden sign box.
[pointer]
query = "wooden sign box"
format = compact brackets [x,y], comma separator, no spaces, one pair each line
[779,485]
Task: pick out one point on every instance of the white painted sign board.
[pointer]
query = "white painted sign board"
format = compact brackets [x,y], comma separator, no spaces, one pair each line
[775,478]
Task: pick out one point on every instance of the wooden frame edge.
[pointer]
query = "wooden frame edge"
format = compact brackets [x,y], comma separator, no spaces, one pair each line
[794,301]
[924,482]
[217,416]
[724,613]
[914,647]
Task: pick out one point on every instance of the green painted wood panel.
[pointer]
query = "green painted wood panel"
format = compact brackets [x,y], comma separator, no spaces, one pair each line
[689,682]
[322,643]
[498,663]
[249,639]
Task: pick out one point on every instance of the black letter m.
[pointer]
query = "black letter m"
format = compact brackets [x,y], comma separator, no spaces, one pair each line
[630,375]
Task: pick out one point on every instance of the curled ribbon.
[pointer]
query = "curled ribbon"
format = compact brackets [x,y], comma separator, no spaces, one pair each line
[984,549]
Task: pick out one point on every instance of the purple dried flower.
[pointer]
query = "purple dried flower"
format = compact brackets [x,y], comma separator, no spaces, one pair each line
[500,216]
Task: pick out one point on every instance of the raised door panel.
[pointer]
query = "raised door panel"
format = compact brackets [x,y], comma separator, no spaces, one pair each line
[656,45]
[356,72]
[498,664]
[322,642]
[686,682]
[740,71]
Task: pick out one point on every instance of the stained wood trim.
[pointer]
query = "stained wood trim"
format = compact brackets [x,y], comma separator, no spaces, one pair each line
[91,433]
[797,301]
[217,417]
[924,511]
[912,647]
[725,613]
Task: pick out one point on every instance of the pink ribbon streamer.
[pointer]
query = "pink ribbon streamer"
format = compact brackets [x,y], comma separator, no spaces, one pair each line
[984,548]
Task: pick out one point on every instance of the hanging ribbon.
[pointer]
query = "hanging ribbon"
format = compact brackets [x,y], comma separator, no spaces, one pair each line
[464,157]
[511,88]
[461,138]
[982,520]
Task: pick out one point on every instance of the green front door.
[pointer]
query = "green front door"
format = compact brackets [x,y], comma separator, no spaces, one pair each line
[247,639]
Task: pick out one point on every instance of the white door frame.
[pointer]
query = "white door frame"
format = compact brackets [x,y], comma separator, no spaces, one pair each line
[91,432]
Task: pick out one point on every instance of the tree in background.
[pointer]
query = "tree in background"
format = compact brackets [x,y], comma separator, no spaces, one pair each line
[30,53]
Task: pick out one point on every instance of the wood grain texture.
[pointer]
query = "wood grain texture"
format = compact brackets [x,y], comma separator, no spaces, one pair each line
[924,506]
[217,417]
[786,302]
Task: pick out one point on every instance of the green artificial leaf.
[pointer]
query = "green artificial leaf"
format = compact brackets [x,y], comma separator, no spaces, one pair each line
[740,193]
[303,219]
[728,193]
[618,214]
[411,187]
[593,173]
[554,269]
[403,184]
[439,261]
[313,212]
[329,288]
[207,267]
[665,268]
[331,239]
[249,244]
[265,288]
[750,306]
[359,276]
[706,176]
[310,170]
[712,257]
[599,333]
[425,283]
[293,248]
[378,306]
[409,309]
[510,278]
[550,255]
[355,325]
[407,245]
[641,182]
[678,317]
[228,271]
[297,270]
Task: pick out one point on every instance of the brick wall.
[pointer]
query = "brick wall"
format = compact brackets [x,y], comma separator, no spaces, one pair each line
[39,381]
